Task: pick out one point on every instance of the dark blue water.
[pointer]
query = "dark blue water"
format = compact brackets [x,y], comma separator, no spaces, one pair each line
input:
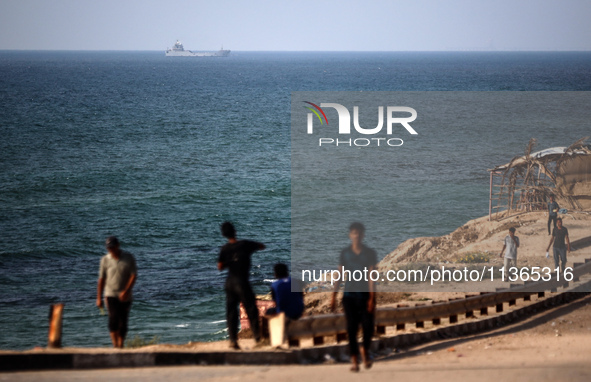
[159,151]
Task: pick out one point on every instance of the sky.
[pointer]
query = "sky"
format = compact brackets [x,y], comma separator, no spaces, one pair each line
[331,25]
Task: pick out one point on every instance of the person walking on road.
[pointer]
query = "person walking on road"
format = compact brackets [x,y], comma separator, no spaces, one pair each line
[359,296]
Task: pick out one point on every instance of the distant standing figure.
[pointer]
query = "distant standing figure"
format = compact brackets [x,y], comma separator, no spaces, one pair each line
[522,200]
[553,208]
[530,200]
[286,300]
[235,256]
[117,275]
[559,236]
[359,296]
[510,246]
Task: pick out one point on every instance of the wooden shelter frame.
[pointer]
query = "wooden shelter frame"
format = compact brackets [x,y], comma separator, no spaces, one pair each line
[526,182]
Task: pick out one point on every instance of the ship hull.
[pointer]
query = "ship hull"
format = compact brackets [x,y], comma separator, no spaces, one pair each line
[188,53]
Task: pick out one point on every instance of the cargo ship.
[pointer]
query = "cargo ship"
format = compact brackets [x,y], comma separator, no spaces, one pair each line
[178,50]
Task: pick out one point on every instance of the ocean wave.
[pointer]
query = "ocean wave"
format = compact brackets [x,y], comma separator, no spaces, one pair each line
[217,322]
[221,331]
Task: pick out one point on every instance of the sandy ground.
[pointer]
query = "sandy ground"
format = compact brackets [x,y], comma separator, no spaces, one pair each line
[481,236]
[552,346]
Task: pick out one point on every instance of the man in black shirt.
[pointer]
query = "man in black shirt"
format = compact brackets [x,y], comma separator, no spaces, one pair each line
[559,236]
[235,256]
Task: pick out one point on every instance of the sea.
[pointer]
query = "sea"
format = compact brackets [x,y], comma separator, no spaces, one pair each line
[160,150]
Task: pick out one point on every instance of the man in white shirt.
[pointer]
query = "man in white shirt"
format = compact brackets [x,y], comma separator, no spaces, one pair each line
[510,246]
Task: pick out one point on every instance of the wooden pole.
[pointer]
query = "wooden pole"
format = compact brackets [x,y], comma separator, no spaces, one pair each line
[490,197]
[55,325]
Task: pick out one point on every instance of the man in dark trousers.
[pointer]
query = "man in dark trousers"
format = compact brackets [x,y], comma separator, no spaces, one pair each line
[235,256]
[117,275]
[559,236]
[553,208]
[358,298]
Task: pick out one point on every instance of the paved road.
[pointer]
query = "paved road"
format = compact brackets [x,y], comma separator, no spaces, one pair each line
[382,371]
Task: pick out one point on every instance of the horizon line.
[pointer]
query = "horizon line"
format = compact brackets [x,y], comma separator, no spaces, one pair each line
[305,51]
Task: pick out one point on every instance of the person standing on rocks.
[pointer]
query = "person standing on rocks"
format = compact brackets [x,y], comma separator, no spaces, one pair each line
[553,208]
